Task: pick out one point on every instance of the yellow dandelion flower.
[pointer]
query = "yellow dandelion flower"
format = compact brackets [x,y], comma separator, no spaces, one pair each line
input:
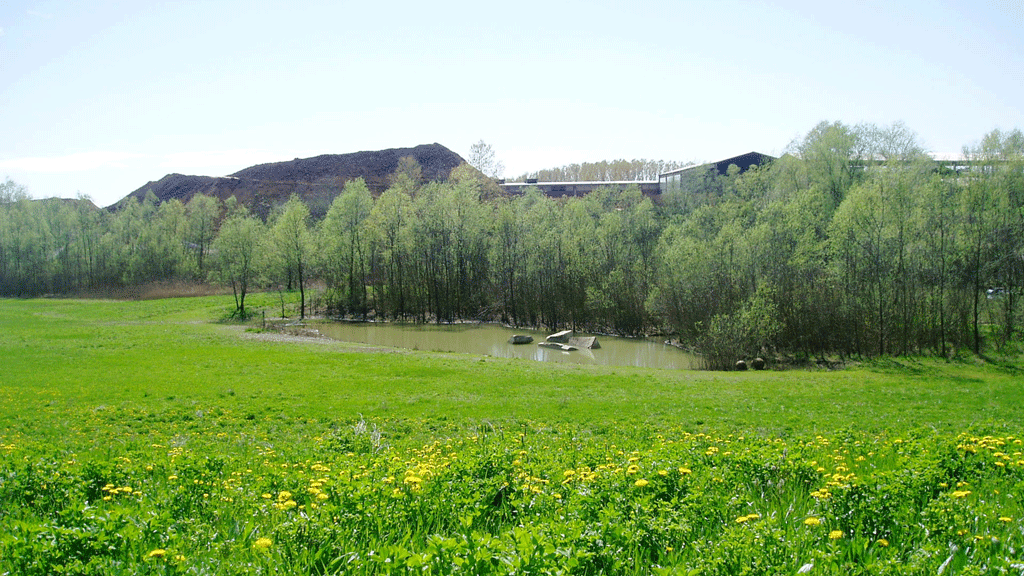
[158,553]
[883,542]
[179,558]
[633,469]
[742,519]
[1005,519]
[284,496]
[262,543]
[683,471]
[960,493]
[812,521]
[662,472]
[321,496]
[641,483]
[835,535]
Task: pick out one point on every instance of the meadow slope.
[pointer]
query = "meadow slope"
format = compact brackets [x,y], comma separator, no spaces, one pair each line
[147,437]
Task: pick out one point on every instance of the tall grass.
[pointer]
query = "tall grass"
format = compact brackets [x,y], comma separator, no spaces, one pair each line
[140,437]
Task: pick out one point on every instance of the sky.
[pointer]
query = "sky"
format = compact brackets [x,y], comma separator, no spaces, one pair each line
[99,97]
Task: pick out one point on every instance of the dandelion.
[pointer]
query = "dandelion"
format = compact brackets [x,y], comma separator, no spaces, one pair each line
[158,553]
[960,493]
[1005,519]
[262,543]
[284,496]
[683,471]
[835,535]
[633,469]
[286,505]
[641,483]
[812,521]
[883,542]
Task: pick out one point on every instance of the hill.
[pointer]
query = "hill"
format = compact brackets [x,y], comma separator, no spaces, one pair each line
[316,180]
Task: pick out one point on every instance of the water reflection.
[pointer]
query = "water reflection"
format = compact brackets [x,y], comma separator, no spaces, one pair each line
[492,340]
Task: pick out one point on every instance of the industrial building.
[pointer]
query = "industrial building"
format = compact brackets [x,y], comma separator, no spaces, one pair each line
[667,182]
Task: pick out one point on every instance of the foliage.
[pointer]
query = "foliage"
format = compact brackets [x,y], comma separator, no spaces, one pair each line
[853,245]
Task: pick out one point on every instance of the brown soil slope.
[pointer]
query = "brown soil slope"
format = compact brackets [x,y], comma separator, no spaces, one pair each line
[316,180]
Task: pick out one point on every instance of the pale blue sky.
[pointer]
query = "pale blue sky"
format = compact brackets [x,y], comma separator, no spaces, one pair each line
[99,97]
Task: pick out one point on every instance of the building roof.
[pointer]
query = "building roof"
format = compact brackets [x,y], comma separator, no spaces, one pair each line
[743,161]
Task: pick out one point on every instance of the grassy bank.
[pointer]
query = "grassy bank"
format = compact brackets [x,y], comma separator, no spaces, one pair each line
[143,437]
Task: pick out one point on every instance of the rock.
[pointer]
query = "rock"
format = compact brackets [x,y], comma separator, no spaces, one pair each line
[557,346]
[520,339]
[741,365]
[585,342]
[561,337]
[758,363]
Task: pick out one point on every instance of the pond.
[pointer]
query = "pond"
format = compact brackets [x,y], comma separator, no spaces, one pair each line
[492,340]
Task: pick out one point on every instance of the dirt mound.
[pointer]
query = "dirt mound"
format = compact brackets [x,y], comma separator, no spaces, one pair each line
[316,180]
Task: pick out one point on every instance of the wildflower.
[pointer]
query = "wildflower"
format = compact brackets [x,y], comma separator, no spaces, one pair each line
[262,543]
[633,469]
[284,496]
[812,521]
[742,519]
[883,542]
[683,471]
[662,472]
[1005,519]
[960,493]
[179,557]
[835,535]
[641,483]
[158,553]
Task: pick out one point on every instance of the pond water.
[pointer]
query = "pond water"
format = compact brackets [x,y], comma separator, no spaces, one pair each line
[492,340]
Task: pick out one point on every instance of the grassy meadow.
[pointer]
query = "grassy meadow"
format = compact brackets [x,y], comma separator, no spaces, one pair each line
[150,437]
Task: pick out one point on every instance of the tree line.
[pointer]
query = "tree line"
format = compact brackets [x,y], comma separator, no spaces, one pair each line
[854,243]
[603,171]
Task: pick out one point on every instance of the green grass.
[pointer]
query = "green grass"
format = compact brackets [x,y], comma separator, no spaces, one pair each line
[442,463]
[156,354]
